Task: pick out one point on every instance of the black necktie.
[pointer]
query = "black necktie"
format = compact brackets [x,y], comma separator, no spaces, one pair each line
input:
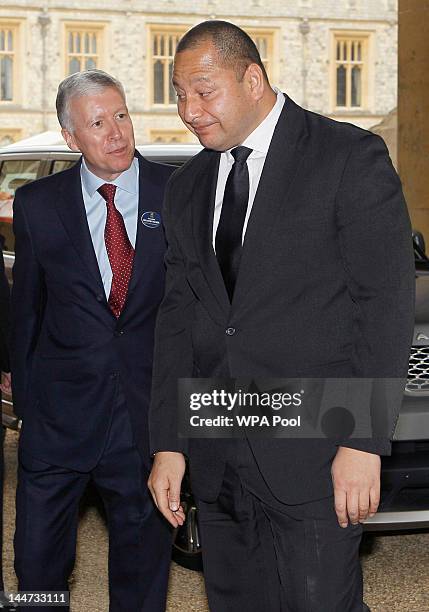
[230,229]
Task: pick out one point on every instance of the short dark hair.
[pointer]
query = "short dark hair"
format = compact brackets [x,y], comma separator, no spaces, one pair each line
[235,48]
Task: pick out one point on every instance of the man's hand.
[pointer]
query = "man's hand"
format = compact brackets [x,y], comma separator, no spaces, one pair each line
[6,383]
[164,484]
[356,478]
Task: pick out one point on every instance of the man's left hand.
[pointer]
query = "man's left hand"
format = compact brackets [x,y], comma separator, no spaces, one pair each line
[356,479]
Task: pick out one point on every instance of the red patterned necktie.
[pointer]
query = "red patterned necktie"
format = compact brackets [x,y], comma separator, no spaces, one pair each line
[119,250]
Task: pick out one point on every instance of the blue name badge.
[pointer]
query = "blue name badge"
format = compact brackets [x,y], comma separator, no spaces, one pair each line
[151,219]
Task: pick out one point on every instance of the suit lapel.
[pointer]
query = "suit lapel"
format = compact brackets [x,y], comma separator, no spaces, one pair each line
[71,210]
[203,201]
[281,165]
[146,241]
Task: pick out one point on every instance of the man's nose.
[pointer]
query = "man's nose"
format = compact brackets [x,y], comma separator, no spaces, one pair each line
[114,131]
[192,110]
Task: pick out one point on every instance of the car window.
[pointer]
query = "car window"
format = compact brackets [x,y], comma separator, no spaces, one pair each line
[13,174]
[60,165]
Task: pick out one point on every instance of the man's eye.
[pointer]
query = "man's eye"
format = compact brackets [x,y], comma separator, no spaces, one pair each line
[97,123]
[121,115]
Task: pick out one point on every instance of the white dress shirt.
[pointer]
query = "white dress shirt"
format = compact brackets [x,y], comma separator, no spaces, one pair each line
[259,141]
[126,201]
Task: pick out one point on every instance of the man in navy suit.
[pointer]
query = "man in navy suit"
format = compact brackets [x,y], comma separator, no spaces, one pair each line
[88,279]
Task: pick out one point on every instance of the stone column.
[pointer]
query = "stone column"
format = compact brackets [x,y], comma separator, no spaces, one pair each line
[413,109]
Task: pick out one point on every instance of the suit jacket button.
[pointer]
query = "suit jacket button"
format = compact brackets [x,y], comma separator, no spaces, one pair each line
[99,298]
[118,332]
[230,331]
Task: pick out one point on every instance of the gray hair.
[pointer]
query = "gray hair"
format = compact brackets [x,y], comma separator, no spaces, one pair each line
[82,84]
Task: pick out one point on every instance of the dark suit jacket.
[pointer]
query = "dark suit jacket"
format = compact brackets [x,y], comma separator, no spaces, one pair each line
[325,289]
[68,349]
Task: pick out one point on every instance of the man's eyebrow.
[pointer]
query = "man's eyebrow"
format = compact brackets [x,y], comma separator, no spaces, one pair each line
[100,114]
[198,79]
[203,78]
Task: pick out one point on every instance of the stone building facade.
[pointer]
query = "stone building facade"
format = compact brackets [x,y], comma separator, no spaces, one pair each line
[336,58]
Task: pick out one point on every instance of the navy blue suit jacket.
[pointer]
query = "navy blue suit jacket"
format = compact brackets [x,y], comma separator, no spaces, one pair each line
[69,351]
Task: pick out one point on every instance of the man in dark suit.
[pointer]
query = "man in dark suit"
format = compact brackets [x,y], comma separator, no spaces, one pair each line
[289,255]
[88,279]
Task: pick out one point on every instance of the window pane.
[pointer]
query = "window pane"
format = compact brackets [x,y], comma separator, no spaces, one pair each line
[172,91]
[158,82]
[161,45]
[90,63]
[261,44]
[94,44]
[74,65]
[13,174]
[70,42]
[338,51]
[10,41]
[359,52]
[356,86]
[341,86]
[77,42]
[59,166]
[2,40]
[6,67]
[86,42]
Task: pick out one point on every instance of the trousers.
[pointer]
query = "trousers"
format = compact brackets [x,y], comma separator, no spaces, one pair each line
[140,539]
[260,554]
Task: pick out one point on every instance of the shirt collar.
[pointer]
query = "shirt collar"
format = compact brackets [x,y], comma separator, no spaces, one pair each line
[260,139]
[127,180]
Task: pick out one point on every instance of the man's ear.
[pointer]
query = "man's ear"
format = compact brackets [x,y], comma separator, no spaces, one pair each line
[70,140]
[256,81]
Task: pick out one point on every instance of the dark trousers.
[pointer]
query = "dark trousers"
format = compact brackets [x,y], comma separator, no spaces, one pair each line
[260,554]
[139,538]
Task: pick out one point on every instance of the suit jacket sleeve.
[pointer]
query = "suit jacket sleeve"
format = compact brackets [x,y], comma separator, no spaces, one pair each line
[376,247]
[173,356]
[27,306]
[4,318]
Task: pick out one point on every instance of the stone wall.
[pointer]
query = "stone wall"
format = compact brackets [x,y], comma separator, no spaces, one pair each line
[302,45]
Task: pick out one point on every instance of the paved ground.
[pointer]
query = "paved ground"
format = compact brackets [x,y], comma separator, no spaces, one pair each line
[396,571]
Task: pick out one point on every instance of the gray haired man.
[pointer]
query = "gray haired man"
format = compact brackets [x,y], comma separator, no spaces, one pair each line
[88,279]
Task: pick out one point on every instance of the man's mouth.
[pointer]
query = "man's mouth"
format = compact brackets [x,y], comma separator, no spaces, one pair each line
[201,128]
[118,151]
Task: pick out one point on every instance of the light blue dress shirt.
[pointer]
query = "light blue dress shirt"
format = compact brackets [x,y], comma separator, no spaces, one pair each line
[126,201]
